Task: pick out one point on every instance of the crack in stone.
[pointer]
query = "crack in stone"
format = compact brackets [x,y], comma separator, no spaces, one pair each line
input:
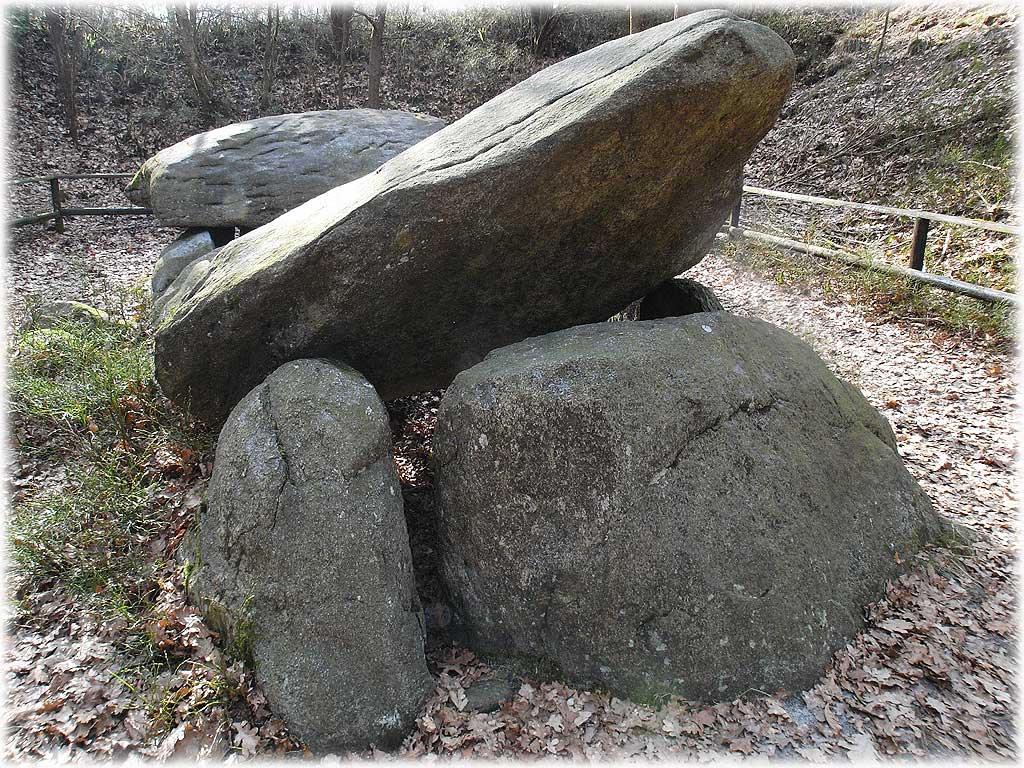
[275,431]
[546,615]
[652,617]
[236,553]
[453,457]
[377,145]
[749,406]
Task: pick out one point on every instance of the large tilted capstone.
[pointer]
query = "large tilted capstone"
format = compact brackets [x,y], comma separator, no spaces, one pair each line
[691,506]
[559,202]
[246,174]
[303,558]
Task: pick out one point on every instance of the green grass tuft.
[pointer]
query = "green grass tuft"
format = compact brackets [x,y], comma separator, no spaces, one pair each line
[86,526]
[887,295]
[82,376]
[85,534]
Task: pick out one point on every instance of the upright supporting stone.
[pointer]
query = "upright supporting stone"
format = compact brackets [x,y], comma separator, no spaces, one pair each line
[303,558]
[693,506]
[173,260]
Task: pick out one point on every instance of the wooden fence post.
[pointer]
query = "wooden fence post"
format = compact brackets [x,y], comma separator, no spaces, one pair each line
[918,245]
[57,207]
[734,219]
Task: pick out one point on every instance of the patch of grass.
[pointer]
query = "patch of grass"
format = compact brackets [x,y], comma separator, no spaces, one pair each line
[168,705]
[962,49]
[105,491]
[84,534]
[94,385]
[97,382]
[972,178]
[887,295]
[173,691]
[82,376]
[961,164]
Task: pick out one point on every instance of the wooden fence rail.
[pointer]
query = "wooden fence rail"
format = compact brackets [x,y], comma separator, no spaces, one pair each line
[59,211]
[912,213]
[915,270]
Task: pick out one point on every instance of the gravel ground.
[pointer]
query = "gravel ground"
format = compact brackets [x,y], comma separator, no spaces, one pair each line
[932,674]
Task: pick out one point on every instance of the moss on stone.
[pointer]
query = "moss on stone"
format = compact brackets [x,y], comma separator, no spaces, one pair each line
[236,627]
[242,642]
[950,536]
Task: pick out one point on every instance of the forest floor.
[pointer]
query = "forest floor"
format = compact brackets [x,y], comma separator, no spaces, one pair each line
[931,674]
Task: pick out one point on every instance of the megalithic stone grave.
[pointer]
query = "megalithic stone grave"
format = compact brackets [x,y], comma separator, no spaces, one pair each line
[556,203]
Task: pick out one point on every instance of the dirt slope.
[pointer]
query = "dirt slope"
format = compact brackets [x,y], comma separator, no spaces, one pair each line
[930,126]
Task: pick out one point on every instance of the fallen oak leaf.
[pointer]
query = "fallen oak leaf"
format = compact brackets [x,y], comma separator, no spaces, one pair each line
[742,745]
[896,625]
[247,738]
[706,717]
[457,696]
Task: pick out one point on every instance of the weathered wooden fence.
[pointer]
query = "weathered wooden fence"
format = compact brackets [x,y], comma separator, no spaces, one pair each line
[59,211]
[916,266]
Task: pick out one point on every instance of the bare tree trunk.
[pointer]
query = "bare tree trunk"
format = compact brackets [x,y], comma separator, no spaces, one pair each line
[183,19]
[542,25]
[881,43]
[270,54]
[642,18]
[59,24]
[341,31]
[376,56]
